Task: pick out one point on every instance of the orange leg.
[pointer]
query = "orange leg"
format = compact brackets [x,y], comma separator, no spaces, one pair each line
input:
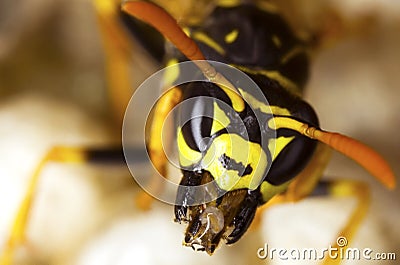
[121,52]
[155,145]
[18,230]
[59,154]
[118,55]
[349,188]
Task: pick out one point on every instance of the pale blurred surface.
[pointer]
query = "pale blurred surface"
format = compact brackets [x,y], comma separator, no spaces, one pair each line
[53,91]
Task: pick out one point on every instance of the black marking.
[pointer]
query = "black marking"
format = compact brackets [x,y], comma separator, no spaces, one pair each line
[254,47]
[231,164]
[115,155]
[247,170]
[294,70]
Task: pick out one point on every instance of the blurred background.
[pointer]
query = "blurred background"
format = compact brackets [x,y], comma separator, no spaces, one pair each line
[53,91]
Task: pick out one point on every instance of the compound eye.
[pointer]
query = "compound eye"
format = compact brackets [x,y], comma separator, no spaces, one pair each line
[291,160]
[196,120]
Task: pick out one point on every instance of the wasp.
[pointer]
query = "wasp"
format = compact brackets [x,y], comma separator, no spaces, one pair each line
[258,42]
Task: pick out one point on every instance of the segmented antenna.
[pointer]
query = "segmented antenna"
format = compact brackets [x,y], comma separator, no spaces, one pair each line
[364,155]
[169,28]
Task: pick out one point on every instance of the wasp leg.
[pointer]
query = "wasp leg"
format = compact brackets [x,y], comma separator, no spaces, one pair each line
[349,188]
[17,235]
[340,188]
[308,183]
[123,50]
[64,154]
[118,55]
[156,147]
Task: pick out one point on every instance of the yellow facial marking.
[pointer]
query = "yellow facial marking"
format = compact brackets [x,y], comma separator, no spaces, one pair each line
[237,100]
[290,123]
[220,120]
[232,36]
[204,38]
[276,145]
[255,103]
[242,151]
[187,156]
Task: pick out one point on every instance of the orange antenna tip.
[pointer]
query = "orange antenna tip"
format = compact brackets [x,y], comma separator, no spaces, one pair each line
[364,155]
